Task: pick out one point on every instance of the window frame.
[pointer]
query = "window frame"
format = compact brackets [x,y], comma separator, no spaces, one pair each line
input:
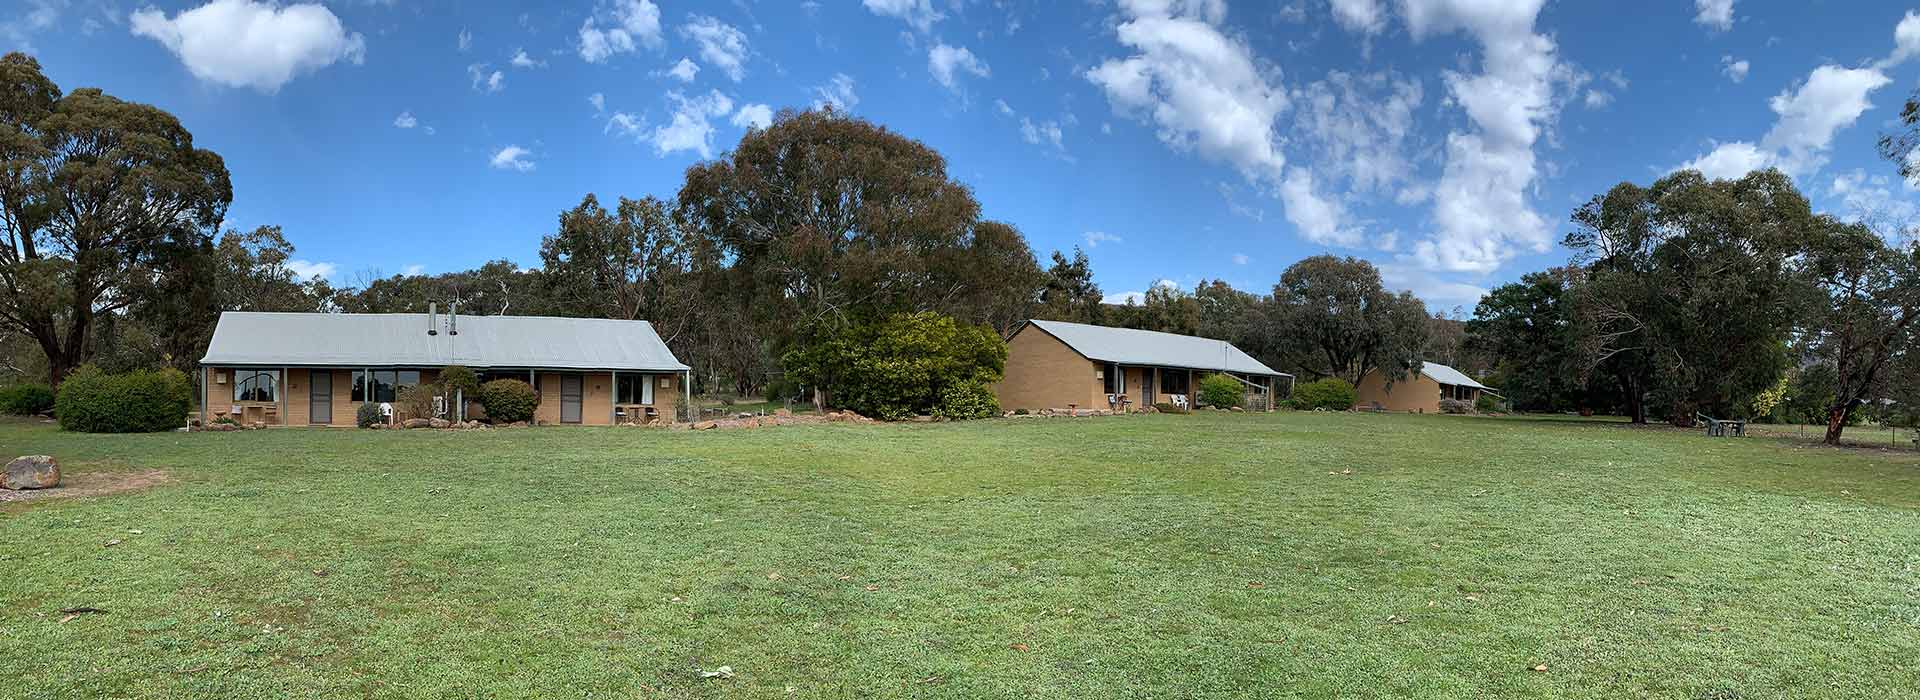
[242,376]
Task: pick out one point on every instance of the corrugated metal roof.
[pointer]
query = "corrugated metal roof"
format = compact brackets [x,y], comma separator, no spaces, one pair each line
[1448,375]
[380,340]
[1136,347]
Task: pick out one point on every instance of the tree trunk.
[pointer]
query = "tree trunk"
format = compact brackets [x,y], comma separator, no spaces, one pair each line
[819,401]
[1636,402]
[1837,422]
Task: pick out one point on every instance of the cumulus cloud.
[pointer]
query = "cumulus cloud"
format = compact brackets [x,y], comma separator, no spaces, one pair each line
[259,45]
[1437,290]
[837,93]
[308,269]
[1731,160]
[414,270]
[756,116]
[406,120]
[599,102]
[1906,40]
[485,79]
[1871,199]
[512,158]
[1809,115]
[1362,16]
[691,128]
[1735,71]
[1714,14]
[522,60]
[463,41]
[1318,218]
[1042,133]
[721,45]
[945,61]
[1095,238]
[918,13]
[1481,214]
[683,71]
[1356,126]
[1597,99]
[619,27]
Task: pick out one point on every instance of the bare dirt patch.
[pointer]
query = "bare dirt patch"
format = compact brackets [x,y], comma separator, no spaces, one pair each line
[89,483]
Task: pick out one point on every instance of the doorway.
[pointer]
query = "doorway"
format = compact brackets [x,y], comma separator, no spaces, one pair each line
[570,398]
[320,396]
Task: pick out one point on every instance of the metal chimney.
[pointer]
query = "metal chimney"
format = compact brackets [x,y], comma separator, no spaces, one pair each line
[453,318]
[433,318]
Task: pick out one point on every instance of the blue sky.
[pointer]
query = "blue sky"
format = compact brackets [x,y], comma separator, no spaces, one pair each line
[1446,140]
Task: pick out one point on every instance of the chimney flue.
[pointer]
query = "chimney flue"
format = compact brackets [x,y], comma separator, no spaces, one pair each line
[453,318]
[433,318]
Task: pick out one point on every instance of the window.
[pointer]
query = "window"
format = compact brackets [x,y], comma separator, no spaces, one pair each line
[634,389]
[1113,385]
[1173,381]
[255,385]
[385,383]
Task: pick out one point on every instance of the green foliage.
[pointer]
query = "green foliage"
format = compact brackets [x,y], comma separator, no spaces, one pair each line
[1487,403]
[967,400]
[1528,327]
[368,415]
[508,400]
[1331,394]
[1167,407]
[142,401]
[459,378]
[1340,320]
[26,399]
[901,367]
[1221,391]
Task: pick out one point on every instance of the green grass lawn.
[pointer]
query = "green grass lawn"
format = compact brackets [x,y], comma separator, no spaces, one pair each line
[1142,556]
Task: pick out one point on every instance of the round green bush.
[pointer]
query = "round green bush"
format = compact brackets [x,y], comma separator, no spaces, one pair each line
[142,401]
[966,401]
[368,415]
[26,399]
[1221,391]
[1331,394]
[459,378]
[508,400]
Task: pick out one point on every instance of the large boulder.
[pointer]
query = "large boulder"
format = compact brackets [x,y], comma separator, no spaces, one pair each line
[417,423]
[439,423]
[32,472]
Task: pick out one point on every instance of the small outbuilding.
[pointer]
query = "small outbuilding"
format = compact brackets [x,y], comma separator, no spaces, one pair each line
[1420,393]
[1060,365]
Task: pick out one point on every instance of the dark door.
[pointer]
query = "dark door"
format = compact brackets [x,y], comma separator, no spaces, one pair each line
[320,397]
[570,398]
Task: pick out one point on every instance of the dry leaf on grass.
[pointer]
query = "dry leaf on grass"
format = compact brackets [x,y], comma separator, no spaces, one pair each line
[723,672]
[1018,646]
[1542,668]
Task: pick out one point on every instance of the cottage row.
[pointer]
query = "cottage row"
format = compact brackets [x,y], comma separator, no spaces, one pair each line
[295,369]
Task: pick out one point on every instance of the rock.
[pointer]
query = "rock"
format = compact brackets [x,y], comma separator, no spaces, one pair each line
[1237,409]
[32,472]
[438,423]
[517,424]
[417,423]
[705,425]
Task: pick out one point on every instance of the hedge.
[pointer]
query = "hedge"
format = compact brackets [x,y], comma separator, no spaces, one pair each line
[26,400]
[142,401]
[508,400]
[1330,394]
[1221,391]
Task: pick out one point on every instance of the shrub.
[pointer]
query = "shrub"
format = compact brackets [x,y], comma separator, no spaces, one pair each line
[26,399]
[225,420]
[142,401]
[415,401]
[1221,391]
[1487,403]
[1332,394]
[368,415]
[1165,407]
[966,401]
[1455,406]
[461,379]
[508,400]
[902,366]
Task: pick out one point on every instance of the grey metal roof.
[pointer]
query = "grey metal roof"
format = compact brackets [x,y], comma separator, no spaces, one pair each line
[1448,375]
[1136,347]
[380,340]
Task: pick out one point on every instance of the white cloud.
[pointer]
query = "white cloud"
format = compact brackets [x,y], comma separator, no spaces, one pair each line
[1871,199]
[620,27]
[512,158]
[1735,71]
[758,116]
[1596,99]
[943,61]
[40,16]
[1732,160]
[599,102]
[485,80]
[1436,290]
[1481,211]
[1095,238]
[242,43]
[414,270]
[627,125]
[1319,219]
[1363,16]
[1202,89]
[1906,41]
[1714,14]
[721,45]
[406,120]
[1125,298]
[691,128]
[837,93]
[1001,106]
[1356,127]
[522,60]
[683,71]
[464,41]
[1042,133]
[919,13]
[307,269]
[1241,259]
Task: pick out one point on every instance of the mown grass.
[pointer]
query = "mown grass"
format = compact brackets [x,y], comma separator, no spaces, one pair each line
[1152,556]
